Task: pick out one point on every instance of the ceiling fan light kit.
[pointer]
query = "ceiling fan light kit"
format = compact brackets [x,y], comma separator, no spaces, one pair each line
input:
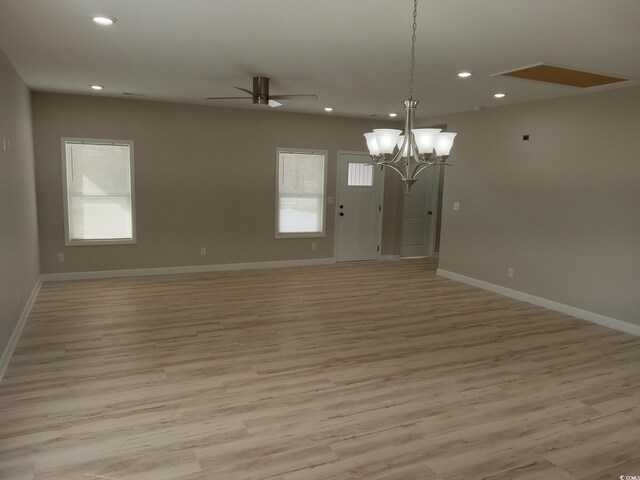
[417,148]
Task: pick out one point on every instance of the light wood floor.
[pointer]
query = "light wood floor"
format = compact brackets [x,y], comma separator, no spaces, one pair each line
[376,371]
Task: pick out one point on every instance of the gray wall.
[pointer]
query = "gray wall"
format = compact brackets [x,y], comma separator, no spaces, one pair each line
[19,265]
[205,177]
[562,209]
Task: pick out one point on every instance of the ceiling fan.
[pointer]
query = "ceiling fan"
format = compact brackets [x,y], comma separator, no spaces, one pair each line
[260,94]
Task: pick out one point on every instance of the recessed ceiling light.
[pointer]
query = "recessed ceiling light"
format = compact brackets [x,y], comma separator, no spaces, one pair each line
[105,21]
[393,114]
[499,95]
[328,109]
[96,87]
[464,74]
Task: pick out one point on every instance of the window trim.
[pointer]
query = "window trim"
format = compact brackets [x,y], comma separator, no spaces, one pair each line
[302,151]
[65,194]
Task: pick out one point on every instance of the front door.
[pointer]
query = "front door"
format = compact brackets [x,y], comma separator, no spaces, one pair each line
[359,208]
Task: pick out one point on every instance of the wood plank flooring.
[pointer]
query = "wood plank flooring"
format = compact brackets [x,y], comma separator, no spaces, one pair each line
[372,370]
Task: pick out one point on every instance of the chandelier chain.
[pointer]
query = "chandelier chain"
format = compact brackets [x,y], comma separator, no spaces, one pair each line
[413,48]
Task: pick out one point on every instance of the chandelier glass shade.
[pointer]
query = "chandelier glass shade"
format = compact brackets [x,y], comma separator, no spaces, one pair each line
[409,151]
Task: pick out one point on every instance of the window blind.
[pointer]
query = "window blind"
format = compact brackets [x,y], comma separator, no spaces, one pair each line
[99,200]
[360,175]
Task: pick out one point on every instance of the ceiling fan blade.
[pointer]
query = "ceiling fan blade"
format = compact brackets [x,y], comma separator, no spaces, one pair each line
[229,98]
[284,97]
[273,103]
[245,90]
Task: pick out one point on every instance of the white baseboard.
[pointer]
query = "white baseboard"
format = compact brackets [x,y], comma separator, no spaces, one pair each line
[139,272]
[603,320]
[386,258]
[17,331]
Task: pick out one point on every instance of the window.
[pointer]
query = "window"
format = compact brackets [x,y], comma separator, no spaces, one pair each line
[98,191]
[301,193]
[360,175]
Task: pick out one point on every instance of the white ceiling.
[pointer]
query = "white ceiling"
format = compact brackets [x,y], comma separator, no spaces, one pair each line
[353,53]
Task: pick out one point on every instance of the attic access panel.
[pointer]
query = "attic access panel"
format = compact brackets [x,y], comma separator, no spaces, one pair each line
[562,76]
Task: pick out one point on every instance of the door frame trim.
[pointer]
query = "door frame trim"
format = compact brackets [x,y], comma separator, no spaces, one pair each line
[336,202]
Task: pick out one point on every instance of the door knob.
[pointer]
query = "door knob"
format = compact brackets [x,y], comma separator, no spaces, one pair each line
[341,214]
[429,212]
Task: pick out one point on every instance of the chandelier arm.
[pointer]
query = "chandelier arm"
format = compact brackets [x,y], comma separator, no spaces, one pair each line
[375,159]
[419,167]
[396,158]
[394,167]
[416,157]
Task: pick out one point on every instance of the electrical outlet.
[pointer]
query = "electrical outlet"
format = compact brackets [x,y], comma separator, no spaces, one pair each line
[203,251]
[510,272]
[456,206]
[61,257]
[313,245]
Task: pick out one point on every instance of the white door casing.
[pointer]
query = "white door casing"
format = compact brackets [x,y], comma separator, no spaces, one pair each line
[359,191]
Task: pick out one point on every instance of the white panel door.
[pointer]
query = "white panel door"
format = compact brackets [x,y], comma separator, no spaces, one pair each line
[419,222]
[359,208]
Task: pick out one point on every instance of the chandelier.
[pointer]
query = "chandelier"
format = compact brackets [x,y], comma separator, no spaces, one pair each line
[417,148]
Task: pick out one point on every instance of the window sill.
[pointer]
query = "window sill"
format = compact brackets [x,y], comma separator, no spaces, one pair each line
[85,243]
[280,236]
